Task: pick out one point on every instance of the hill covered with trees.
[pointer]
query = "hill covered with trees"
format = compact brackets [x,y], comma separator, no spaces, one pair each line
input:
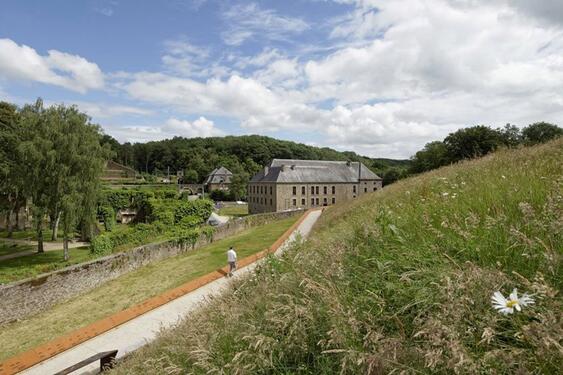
[243,155]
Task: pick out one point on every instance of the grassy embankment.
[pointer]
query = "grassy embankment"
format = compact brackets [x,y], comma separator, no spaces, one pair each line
[33,265]
[133,288]
[399,281]
[234,211]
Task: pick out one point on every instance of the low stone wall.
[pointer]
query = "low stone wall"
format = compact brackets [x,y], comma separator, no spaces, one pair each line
[24,298]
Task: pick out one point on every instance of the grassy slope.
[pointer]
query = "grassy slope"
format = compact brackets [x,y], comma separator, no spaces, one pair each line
[36,264]
[133,288]
[399,280]
[235,211]
[9,248]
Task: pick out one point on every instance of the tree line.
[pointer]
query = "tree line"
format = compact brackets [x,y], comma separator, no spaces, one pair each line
[51,160]
[478,141]
[242,155]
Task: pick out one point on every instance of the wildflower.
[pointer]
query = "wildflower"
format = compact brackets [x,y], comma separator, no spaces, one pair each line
[503,177]
[507,306]
[445,194]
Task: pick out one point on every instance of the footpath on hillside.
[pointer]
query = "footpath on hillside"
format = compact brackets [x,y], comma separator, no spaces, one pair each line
[142,329]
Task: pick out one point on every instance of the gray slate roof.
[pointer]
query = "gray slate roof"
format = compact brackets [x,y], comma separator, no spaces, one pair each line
[314,171]
[218,176]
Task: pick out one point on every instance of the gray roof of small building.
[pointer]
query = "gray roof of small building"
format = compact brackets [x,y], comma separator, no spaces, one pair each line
[218,176]
[314,171]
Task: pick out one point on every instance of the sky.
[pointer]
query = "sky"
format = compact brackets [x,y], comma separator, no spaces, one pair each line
[379,77]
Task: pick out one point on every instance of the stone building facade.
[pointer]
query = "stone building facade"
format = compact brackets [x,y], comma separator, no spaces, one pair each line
[290,184]
[218,179]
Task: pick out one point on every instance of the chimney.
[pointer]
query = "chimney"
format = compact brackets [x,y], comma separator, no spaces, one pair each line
[283,167]
[266,170]
[293,167]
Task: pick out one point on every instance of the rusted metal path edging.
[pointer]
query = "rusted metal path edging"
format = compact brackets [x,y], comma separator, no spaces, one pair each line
[43,352]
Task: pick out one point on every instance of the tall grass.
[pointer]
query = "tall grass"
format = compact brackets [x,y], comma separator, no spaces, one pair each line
[399,281]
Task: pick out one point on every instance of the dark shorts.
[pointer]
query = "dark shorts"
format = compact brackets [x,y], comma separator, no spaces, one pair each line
[232,266]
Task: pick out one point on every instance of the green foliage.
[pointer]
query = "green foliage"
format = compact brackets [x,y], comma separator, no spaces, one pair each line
[108,216]
[471,142]
[238,185]
[199,208]
[432,156]
[221,196]
[541,132]
[191,176]
[102,245]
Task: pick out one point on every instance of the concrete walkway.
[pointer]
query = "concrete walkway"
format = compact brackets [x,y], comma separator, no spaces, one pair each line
[47,246]
[144,329]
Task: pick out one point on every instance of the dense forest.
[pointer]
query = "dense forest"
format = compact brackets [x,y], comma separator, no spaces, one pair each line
[242,155]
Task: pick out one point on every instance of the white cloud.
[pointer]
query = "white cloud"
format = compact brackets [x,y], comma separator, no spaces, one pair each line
[57,68]
[104,110]
[173,127]
[405,73]
[250,21]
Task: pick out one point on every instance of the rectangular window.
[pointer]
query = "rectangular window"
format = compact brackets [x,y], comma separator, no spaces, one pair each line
[271,190]
[312,201]
[302,190]
[324,190]
[374,189]
[365,190]
[317,190]
[317,201]
[303,201]
[354,189]
[312,190]
[271,202]
[295,190]
[333,200]
[324,202]
[334,190]
[294,202]
[261,189]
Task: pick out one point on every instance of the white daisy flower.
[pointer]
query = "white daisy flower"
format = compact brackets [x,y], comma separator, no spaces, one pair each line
[507,306]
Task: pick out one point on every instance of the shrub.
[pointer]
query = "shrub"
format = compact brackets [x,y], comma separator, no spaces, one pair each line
[108,216]
[221,195]
[102,244]
[201,208]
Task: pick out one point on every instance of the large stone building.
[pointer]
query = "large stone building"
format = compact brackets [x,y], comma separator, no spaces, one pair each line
[291,184]
[218,179]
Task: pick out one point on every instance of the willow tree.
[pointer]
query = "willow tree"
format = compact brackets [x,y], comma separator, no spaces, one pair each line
[63,160]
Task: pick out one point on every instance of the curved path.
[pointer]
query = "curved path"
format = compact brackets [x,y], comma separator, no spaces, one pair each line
[139,331]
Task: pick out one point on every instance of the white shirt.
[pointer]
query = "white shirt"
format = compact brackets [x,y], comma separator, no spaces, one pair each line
[231,255]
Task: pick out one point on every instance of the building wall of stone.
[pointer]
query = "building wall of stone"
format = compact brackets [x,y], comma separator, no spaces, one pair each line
[284,198]
[27,297]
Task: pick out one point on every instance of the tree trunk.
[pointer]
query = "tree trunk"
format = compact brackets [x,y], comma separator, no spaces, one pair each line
[18,226]
[55,227]
[40,248]
[65,247]
[9,223]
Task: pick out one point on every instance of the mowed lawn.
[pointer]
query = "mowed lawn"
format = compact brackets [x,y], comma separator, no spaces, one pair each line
[10,248]
[32,265]
[133,288]
[236,211]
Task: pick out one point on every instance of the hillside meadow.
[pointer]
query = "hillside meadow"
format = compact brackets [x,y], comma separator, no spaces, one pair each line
[399,281]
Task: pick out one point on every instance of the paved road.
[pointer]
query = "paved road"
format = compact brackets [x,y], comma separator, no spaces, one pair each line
[47,246]
[140,331]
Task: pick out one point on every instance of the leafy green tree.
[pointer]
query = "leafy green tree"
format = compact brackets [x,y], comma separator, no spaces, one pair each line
[472,142]
[432,156]
[11,194]
[510,136]
[239,182]
[391,175]
[540,132]
[191,176]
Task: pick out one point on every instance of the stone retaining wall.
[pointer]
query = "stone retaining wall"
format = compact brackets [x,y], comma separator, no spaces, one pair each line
[21,299]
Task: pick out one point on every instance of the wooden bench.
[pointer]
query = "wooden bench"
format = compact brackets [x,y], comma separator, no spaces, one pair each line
[107,359]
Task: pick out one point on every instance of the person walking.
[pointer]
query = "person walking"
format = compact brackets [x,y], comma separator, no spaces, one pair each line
[232,260]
